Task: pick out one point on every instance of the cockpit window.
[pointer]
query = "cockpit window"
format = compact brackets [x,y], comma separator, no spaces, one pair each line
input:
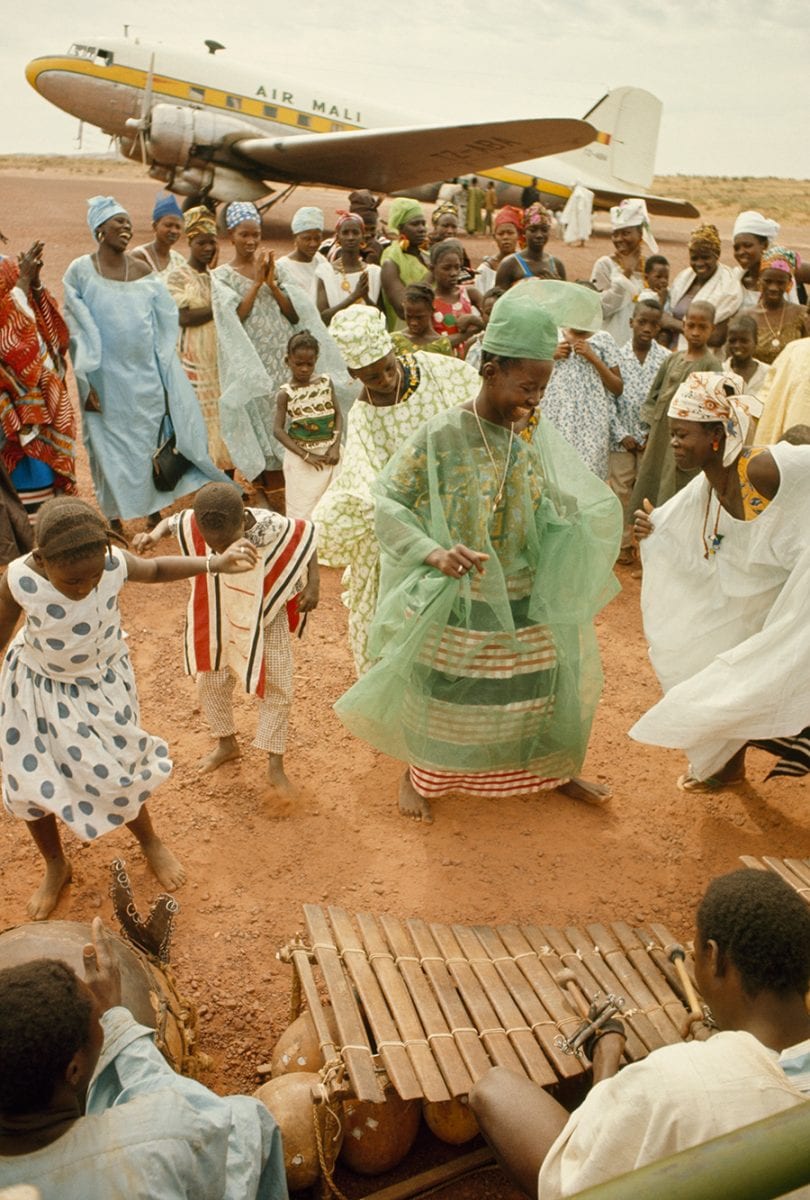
[104,58]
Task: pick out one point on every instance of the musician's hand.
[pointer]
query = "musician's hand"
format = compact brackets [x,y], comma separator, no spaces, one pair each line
[101,969]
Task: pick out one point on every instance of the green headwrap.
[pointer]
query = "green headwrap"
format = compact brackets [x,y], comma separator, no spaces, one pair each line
[402,210]
[524,322]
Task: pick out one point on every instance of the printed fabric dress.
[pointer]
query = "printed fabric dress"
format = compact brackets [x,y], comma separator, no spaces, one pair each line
[71,740]
[579,405]
[345,514]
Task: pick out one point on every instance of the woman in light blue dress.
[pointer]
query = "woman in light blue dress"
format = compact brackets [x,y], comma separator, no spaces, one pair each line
[123,335]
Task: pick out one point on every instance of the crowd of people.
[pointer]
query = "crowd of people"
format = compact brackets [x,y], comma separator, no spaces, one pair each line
[476,446]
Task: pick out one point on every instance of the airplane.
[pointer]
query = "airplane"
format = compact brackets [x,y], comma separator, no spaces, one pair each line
[209,128]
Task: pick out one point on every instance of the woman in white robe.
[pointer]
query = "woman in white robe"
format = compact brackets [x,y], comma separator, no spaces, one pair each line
[724,598]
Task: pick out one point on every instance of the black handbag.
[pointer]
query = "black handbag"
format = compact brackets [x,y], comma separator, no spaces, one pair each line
[168,464]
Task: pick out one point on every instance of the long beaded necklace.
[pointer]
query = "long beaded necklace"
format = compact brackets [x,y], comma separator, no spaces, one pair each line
[491,456]
[103,276]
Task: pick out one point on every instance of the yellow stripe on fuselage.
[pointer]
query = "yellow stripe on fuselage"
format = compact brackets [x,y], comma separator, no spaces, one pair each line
[181,89]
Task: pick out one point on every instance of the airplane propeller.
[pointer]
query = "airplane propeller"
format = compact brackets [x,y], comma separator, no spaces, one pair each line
[140,124]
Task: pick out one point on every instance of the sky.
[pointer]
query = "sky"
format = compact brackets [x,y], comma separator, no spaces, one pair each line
[731,73]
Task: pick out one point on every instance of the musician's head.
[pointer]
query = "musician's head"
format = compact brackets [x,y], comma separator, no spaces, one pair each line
[752,942]
[50,1038]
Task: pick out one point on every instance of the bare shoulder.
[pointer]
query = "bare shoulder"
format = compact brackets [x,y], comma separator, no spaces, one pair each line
[763,474]
[138,267]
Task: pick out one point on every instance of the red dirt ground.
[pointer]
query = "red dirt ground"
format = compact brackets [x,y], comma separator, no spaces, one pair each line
[648,856]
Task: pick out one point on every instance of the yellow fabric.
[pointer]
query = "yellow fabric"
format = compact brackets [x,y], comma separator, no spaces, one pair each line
[754,502]
[785,393]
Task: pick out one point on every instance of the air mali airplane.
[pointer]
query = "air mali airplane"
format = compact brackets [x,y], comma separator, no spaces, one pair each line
[207,127]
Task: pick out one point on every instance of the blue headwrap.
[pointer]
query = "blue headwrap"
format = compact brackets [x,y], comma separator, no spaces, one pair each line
[239,211]
[100,209]
[166,206]
[307,218]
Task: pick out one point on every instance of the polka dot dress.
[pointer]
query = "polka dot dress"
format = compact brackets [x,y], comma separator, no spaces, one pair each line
[70,742]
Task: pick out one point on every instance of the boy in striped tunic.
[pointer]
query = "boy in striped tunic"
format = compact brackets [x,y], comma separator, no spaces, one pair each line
[243,633]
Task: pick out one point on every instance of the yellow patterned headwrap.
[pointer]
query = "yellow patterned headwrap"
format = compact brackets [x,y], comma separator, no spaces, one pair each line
[706,235]
[199,220]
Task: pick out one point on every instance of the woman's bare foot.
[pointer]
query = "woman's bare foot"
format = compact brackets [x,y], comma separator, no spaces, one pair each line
[170,873]
[226,749]
[57,875]
[411,804]
[589,793]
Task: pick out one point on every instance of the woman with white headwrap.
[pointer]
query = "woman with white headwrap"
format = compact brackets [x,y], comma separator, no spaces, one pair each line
[751,236]
[400,392]
[619,277]
[123,334]
[724,597]
[302,262]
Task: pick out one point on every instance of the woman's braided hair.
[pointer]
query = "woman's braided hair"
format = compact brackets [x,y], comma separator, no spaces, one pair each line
[67,529]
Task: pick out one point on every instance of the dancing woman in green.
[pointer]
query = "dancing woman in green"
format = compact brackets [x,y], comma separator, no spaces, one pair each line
[497,552]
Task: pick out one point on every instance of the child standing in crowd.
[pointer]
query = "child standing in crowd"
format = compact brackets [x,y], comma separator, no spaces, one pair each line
[656,287]
[456,307]
[308,425]
[658,477]
[475,348]
[72,746]
[741,343]
[419,334]
[579,399]
[639,360]
[243,633]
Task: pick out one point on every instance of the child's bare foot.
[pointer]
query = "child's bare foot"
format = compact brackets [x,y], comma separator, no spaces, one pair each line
[57,875]
[170,873]
[279,793]
[411,804]
[583,789]
[226,749]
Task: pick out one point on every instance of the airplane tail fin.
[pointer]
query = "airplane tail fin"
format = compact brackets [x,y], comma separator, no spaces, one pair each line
[623,155]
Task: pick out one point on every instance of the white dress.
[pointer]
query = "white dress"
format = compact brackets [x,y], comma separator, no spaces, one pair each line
[338,284]
[71,743]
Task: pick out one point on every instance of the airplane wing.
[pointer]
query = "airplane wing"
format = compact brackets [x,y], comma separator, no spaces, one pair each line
[389,160]
[659,206]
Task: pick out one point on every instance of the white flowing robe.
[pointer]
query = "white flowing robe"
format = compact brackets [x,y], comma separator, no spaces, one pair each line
[728,634]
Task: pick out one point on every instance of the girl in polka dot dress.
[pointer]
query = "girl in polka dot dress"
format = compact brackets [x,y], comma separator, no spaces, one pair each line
[71,745]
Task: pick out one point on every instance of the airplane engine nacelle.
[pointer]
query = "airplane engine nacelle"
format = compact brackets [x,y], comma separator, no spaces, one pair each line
[184,136]
[220,183]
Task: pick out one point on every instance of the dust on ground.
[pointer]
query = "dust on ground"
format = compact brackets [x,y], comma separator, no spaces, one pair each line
[648,856]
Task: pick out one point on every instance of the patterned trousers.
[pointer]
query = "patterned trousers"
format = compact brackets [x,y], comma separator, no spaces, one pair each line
[215,691]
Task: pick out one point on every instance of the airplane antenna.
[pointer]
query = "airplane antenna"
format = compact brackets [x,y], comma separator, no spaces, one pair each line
[213,46]
[126,31]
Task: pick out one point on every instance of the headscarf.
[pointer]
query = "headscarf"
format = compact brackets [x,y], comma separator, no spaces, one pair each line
[166,206]
[403,210]
[707,396]
[631,213]
[537,214]
[197,221]
[101,208]
[343,217]
[361,335]
[777,258]
[509,215]
[442,210]
[707,235]
[363,202]
[521,325]
[307,218]
[239,211]
[755,223]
